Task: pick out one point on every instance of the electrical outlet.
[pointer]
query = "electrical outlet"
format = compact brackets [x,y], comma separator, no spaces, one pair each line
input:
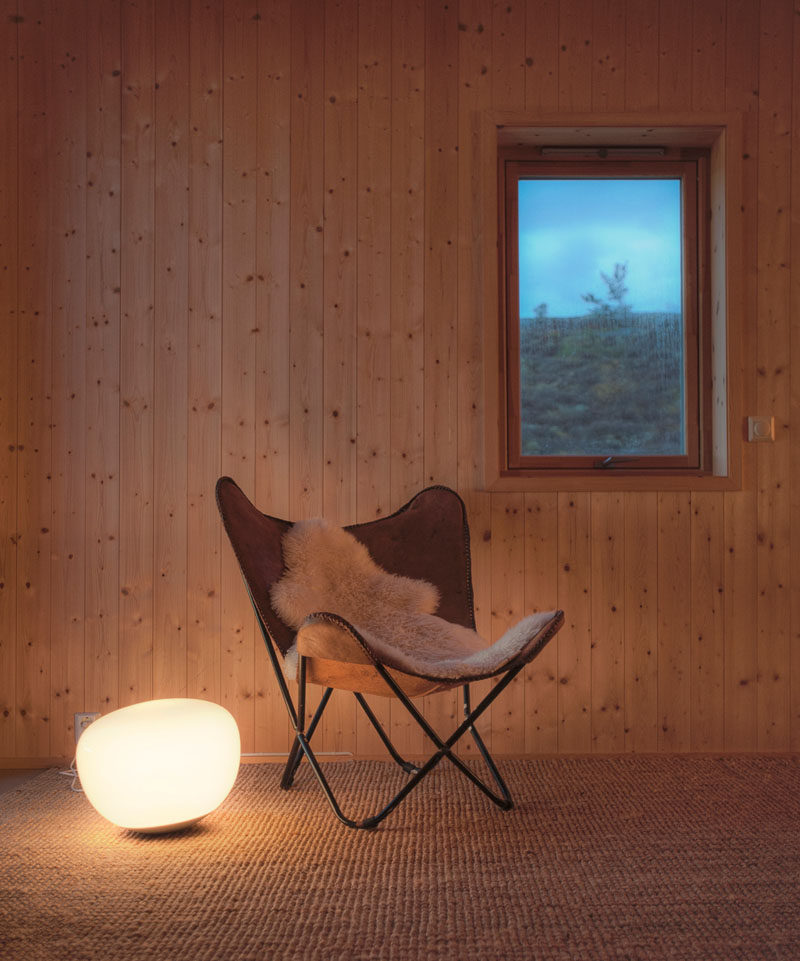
[82,721]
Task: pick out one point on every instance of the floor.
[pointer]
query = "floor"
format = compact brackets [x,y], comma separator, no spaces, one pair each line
[9,779]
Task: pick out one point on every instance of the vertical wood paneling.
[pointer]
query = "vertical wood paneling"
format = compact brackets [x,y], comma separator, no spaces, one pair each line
[541,594]
[708,641]
[675,55]
[741,663]
[641,54]
[441,243]
[476,87]
[103,206]
[674,621]
[794,664]
[203,535]
[273,213]
[171,368]
[373,341]
[66,68]
[575,56]
[608,622]
[575,638]
[641,622]
[541,55]
[772,357]
[341,301]
[508,598]
[306,253]
[248,238]
[407,251]
[32,730]
[273,364]
[608,60]
[9,395]
[136,352]
[441,274]
[708,55]
[239,339]
[407,265]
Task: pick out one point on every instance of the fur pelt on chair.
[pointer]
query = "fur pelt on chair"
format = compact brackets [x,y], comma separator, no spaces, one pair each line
[329,570]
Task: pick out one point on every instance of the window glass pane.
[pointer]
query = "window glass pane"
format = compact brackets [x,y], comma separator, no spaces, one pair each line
[601,325]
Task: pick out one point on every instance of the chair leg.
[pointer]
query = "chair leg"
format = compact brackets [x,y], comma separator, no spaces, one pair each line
[407,766]
[503,800]
[296,753]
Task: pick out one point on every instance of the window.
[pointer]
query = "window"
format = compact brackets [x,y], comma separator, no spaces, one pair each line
[605,358]
[614,364]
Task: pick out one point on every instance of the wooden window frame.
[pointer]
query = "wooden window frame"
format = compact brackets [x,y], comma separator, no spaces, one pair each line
[506,134]
[688,166]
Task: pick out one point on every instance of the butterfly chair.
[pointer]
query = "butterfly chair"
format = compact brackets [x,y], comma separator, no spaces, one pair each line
[427,540]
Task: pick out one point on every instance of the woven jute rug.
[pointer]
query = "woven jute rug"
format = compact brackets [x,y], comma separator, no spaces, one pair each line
[687,858]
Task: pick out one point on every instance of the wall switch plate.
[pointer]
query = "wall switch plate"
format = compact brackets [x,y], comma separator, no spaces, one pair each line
[82,721]
[760,428]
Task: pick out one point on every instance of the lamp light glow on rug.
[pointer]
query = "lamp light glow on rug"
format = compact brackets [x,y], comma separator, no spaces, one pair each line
[159,765]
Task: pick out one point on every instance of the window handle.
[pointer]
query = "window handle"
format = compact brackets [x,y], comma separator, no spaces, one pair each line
[612,461]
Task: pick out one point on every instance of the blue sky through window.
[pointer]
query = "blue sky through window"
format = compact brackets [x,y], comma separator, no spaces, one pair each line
[571,230]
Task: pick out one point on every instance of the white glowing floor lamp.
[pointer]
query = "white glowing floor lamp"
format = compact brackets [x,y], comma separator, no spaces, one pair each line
[159,765]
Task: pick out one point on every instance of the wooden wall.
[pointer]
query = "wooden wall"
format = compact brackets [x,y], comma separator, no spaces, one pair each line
[238,238]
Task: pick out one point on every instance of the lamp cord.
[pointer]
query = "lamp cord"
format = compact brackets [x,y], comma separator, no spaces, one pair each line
[73,773]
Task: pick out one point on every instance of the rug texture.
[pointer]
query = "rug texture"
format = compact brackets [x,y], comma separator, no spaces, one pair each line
[686,858]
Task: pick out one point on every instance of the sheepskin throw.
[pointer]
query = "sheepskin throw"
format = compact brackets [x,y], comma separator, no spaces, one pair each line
[329,570]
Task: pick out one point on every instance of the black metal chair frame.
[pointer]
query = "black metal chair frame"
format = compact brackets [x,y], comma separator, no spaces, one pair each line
[301,747]
[302,743]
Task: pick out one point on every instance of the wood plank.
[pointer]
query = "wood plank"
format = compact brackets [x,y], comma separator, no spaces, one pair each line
[474,99]
[575,637]
[773,390]
[508,52]
[641,622]
[674,56]
[575,55]
[341,300]
[373,342]
[608,61]
[741,605]
[508,598]
[341,263]
[641,55]
[541,594]
[66,75]
[239,337]
[740,507]
[103,220]
[407,286]
[9,393]
[407,252]
[32,662]
[708,55]
[306,253]
[541,55]
[609,614]
[273,367]
[273,371]
[708,629]
[170,380]
[794,413]
[137,301]
[441,244]
[440,238]
[204,384]
[674,621]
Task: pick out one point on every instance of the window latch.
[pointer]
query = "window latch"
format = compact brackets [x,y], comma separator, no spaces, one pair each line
[612,461]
